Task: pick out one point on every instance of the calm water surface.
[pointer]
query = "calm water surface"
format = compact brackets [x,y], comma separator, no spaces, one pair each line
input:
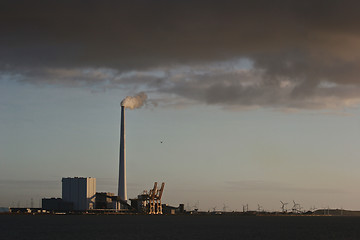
[176,227]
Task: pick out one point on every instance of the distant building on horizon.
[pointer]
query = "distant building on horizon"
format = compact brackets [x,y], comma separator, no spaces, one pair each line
[81,191]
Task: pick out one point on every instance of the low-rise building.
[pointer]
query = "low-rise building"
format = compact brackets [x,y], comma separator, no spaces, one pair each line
[56,205]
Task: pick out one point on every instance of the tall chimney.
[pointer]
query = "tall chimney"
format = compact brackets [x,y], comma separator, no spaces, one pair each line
[122,193]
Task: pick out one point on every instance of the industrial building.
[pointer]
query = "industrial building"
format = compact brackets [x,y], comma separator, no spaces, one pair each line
[80,191]
[79,194]
[170,210]
[56,204]
[105,200]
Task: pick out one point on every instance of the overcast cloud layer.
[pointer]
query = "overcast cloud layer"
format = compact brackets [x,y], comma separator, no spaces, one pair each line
[286,54]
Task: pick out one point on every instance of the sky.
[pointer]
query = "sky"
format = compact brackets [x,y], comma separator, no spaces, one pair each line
[255,102]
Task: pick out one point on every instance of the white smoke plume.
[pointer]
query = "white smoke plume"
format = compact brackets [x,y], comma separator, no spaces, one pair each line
[136,101]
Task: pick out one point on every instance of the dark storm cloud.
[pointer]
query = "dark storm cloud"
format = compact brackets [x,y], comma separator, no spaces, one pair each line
[295,47]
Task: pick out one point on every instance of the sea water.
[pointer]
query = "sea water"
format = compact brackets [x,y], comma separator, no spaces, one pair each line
[109,227]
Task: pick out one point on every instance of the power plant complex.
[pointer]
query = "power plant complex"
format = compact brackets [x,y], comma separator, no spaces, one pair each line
[79,193]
